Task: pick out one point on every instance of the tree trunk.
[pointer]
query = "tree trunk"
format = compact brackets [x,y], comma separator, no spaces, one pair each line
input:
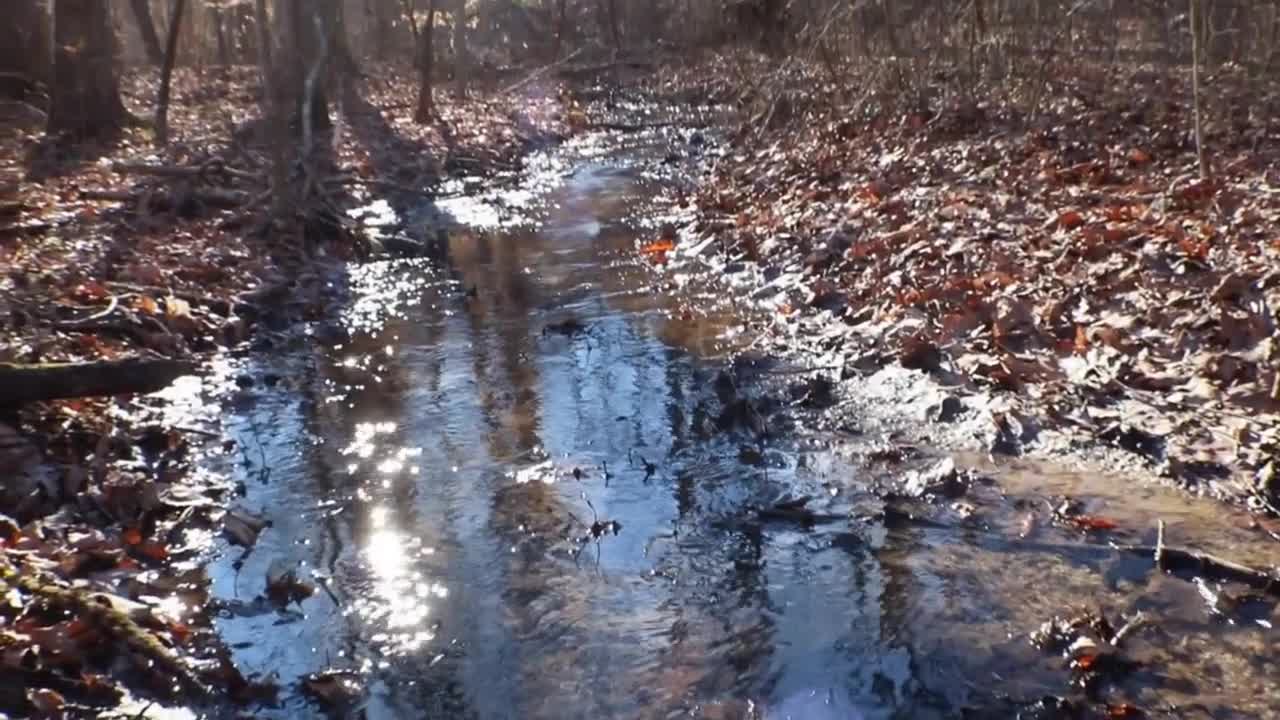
[460,59]
[166,72]
[426,66]
[379,27]
[560,28]
[147,28]
[25,55]
[1197,20]
[300,67]
[220,33]
[609,18]
[341,59]
[85,94]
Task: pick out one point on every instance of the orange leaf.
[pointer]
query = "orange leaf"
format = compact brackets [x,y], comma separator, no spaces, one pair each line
[1069,220]
[1123,710]
[1138,156]
[91,291]
[181,633]
[147,304]
[1085,522]
[1196,250]
[132,536]
[1081,345]
[154,551]
[1118,213]
[1084,662]
[658,247]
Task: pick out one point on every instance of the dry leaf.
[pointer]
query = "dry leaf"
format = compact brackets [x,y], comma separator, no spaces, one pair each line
[242,527]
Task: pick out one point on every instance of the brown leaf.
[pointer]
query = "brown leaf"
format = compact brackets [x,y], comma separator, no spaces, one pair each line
[1081,344]
[335,688]
[146,304]
[1069,220]
[1138,156]
[242,527]
[47,703]
[1088,522]
[176,308]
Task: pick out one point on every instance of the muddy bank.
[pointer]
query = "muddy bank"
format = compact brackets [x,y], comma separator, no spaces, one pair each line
[540,478]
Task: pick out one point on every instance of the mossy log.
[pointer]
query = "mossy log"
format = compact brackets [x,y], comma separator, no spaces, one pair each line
[23,384]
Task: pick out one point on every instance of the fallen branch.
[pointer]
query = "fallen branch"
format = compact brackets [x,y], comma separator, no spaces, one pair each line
[23,384]
[1206,565]
[98,612]
[221,306]
[1173,558]
[583,70]
[637,127]
[111,307]
[539,73]
[203,170]
[384,184]
[227,199]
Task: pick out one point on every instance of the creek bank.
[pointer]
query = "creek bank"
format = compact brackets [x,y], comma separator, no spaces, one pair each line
[540,476]
[125,260]
[1062,276]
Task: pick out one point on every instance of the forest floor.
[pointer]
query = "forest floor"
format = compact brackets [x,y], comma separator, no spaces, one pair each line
[1069,265]
[117,250]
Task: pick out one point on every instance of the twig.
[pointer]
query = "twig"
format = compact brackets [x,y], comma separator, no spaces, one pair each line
[1133,624]
[1159,553]
[72,324]
[1210,565]
[350,180]
[637,127]
[539,73]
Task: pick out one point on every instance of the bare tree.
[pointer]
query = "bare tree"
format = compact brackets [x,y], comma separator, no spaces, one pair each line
[1196,21]
[560,29]
[220,33]
[426,66]
[25,55]
[85,94]
[166,72]
[147,29]
[461,59]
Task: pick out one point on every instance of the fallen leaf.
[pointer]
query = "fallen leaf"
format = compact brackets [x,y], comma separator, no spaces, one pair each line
[336,689]
[658,247]
[1069,220]
[285,586]
[242,527]
[47,703]
[1088,522]
[1138,156]
[146,304]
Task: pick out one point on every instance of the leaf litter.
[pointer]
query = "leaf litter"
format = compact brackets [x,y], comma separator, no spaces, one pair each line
[1068,262]
[116,251]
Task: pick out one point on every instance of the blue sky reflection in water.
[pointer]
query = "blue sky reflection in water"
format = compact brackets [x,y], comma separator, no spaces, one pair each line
[450,474]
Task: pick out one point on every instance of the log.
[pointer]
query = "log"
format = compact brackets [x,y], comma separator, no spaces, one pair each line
[23,384]
[213,197]
[639,127]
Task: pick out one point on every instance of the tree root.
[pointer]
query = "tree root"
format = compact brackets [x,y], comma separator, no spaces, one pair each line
[103,617]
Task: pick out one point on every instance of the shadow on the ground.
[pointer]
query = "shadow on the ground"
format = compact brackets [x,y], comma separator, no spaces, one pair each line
[55,156]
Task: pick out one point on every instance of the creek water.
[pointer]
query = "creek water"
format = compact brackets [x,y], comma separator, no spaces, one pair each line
[510,475]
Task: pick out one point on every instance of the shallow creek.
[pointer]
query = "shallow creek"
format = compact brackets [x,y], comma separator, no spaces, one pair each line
[512,479]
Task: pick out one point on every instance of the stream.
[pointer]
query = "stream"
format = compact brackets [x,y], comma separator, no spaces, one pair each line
[516,480]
